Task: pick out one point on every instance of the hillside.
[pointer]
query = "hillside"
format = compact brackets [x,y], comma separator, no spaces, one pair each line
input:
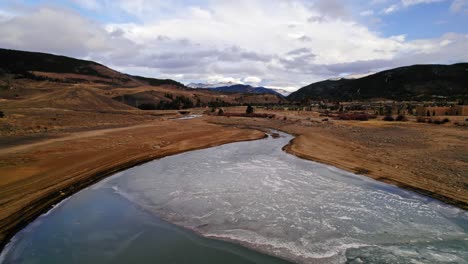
[70,98]
[417,82]
[46,81]
[43,66]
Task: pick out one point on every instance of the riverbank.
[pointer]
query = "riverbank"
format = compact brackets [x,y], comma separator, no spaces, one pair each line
[39,174]
[428,159]
[249,193]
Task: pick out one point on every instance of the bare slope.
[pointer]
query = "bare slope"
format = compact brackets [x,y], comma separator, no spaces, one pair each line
[417,82]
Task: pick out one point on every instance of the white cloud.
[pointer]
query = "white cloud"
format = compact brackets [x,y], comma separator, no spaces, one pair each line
[222,79]
[53,30]
[367,13]
[390,9]
[252,80]
[459,6]
[417,2]
[407,3]
[244,42]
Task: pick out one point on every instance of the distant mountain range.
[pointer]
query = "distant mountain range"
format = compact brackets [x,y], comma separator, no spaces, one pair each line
[417,82]
[231,87]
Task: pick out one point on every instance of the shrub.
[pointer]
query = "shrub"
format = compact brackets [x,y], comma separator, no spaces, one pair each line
[401,118]
[439,122]
[147,107]
[249,110]
[2,114]
[388,118]
[461,124]
[250,115]
[220,112]
[359,117]
[421,119]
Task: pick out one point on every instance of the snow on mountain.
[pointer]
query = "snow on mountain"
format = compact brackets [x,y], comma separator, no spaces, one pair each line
[280,91]
[238,88]
[210,85]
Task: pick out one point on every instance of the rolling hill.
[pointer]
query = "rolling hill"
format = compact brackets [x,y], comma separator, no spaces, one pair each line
[40,80]
[70,98]
[43,66]
[417,82]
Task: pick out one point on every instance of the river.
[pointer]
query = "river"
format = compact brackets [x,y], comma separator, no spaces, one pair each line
[252,194]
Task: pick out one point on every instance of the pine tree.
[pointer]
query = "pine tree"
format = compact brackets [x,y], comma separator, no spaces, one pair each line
[249,110]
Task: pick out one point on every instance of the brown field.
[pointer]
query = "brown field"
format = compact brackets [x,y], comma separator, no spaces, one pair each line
[57,138]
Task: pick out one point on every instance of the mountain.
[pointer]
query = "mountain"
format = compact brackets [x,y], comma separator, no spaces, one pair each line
[231,87]
[243,88]
[281,91]
[210,85]
[417,82]
[43,66]
[32,80]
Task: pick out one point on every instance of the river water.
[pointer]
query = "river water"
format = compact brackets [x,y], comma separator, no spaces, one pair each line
[253,194]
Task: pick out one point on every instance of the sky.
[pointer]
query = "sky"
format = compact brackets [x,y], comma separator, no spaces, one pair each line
[274,43]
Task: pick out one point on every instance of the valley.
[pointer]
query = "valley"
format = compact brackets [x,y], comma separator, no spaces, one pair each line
[67,124]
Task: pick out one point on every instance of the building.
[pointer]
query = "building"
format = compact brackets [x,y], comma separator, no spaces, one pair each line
[456,110]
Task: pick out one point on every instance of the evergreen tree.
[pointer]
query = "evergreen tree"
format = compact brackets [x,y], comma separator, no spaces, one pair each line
[249,110]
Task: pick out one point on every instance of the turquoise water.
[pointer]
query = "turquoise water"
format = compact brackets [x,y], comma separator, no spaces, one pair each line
[100,226]
[251,193]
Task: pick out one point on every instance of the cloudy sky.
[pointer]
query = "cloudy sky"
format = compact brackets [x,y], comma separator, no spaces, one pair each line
[275,43]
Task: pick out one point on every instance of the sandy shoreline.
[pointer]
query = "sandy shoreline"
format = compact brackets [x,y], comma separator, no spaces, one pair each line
[43,174]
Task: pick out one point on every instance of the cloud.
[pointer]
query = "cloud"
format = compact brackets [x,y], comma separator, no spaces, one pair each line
[299,51]
[57,31]
[88,4]
[417,2]
[332,8]
[251,41]
[407,3]
[366,13]
[390,9]
[252,80]
[459,6]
